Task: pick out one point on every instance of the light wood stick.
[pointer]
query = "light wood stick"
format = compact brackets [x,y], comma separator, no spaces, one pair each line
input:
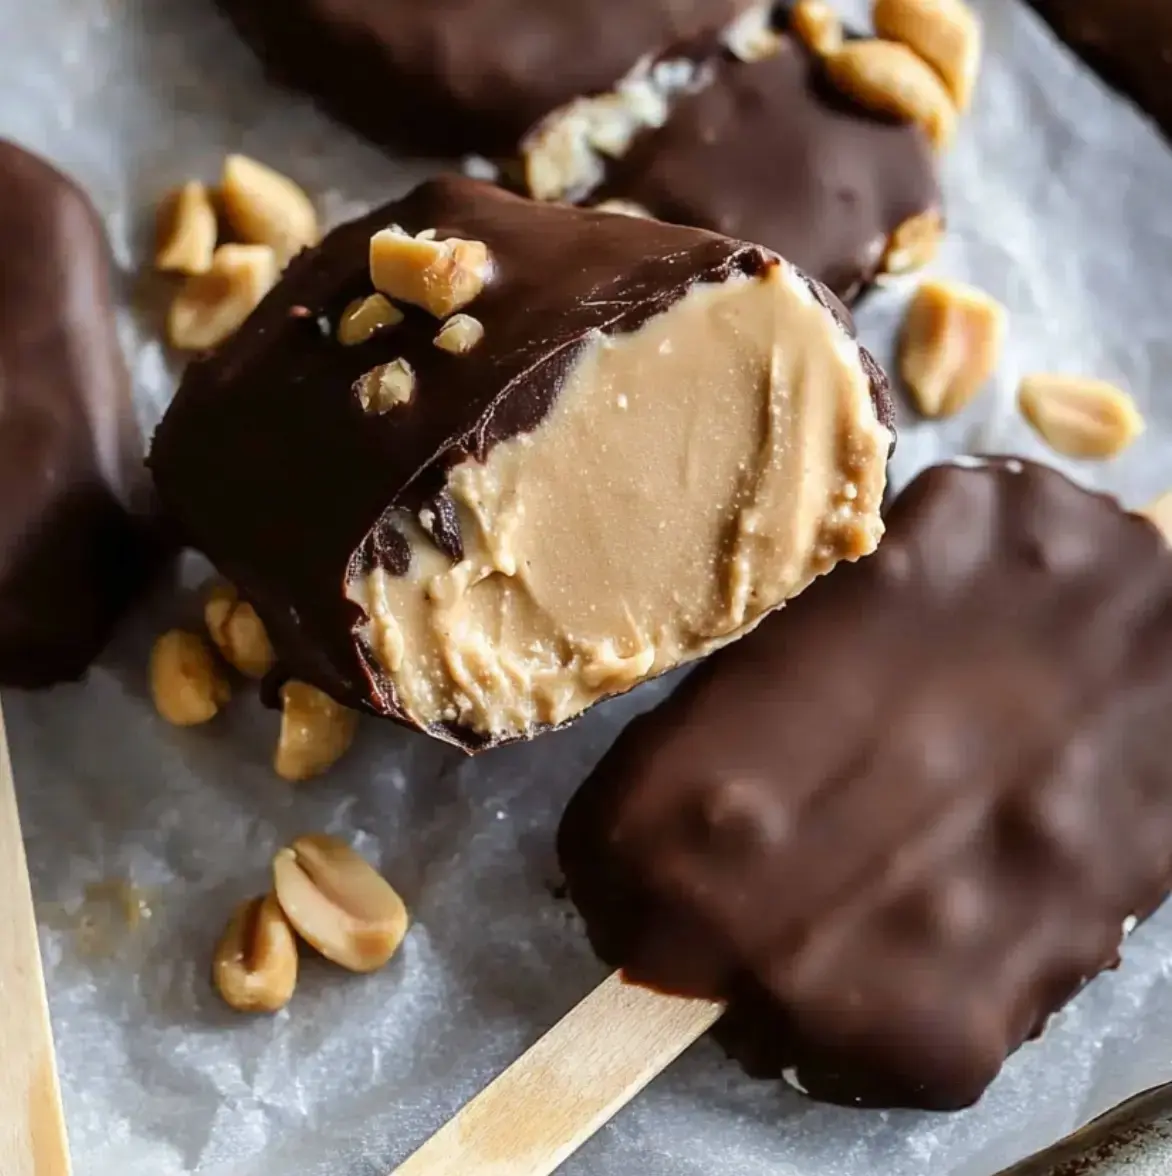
[551,1100]
[32,1126]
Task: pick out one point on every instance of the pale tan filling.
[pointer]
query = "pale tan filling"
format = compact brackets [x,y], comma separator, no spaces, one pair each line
[692,475]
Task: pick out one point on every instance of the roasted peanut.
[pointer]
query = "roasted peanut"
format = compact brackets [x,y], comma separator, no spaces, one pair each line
[752,37]
[339,903]
[255,965]
[186,684]
[315,732]
[385,387]
[185,232]
[1080,417]
[238,632]
[816,24]
[365,317]
[213,306]
[891,79]
[950,345]
[267,208]
[460,334]
[440,276]
[914,244]
[945,33]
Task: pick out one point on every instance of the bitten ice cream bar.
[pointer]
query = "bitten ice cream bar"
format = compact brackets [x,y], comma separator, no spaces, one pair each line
[480,463]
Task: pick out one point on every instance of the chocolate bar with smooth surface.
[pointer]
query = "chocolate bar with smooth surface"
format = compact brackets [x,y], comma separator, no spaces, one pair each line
[630,443]
[903,822]
[74,549]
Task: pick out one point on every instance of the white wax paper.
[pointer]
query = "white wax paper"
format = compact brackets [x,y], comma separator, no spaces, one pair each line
[1057,196]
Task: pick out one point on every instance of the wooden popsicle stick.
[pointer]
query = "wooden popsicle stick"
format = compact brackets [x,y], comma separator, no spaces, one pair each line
[32,1125]
[536,1114]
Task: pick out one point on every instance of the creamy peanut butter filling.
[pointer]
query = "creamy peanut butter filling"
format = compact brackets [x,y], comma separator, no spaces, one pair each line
[692,475]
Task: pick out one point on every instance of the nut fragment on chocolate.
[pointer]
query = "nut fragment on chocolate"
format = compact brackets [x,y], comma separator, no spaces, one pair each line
[339,903]
[212,306]
[187,686]
[817,25]
[239,634]
[914,244]
[185,235]
[365,317]
[255,965]
[564,155]
[315,732]
[905,820]
[387,386]
[77,545]
[701,161]
[267,208]
[618,467]
[1080,417]
[945,33]
[950,345]
[753,36]
[440,276]
[460,334]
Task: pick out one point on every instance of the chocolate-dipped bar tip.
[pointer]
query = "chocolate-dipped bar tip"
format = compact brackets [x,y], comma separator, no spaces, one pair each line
[74,547]
[903,822]
[566,452]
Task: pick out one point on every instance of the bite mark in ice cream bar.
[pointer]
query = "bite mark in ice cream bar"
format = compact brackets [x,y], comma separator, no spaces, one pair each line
[658,436]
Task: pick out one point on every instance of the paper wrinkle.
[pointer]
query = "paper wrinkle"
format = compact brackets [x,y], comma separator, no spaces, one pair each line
[1057,203]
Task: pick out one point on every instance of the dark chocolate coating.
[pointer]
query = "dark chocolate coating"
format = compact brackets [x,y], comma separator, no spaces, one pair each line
[1128,41]
[901,823]
[71,556]
[770,152]
[448,76]
[277,474]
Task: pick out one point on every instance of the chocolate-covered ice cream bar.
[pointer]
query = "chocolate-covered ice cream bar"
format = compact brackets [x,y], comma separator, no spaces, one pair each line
[902,823]
[73,550]
[480,462]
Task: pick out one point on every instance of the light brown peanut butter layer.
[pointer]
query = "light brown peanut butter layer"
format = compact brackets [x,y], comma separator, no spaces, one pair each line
[731,451]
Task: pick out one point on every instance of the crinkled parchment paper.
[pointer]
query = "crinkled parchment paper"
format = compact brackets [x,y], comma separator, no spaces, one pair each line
[1057,194]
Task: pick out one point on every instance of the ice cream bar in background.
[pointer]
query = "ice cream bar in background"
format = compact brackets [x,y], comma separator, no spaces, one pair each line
[74,549]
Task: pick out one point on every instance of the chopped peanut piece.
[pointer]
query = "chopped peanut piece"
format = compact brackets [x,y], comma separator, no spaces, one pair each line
[267,208]
[238,632]
[816,24]
[945,33]
[213,306]
[440,276]
[386,387]
[339,903]
[950,345]
[1080,417]
[891,79]
[460,334]
[255,965]
[316,732]
[185,233]
[365,317]
[914,244]
[186,684]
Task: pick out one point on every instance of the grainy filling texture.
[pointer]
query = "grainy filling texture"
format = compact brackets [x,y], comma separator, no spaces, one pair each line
[692,475]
